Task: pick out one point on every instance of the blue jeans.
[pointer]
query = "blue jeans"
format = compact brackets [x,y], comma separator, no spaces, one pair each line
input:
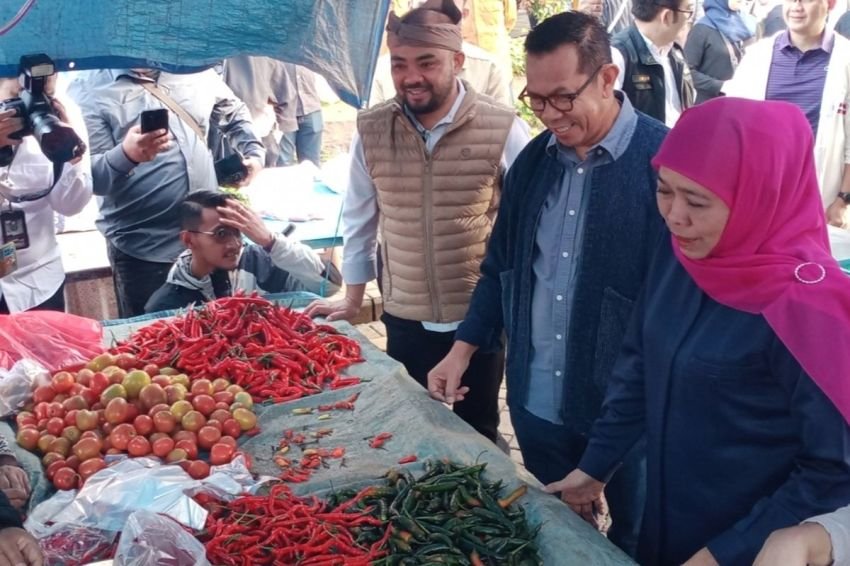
[551,451]
[306,142]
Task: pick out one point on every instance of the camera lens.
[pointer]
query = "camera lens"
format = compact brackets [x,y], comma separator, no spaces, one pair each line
[58,141]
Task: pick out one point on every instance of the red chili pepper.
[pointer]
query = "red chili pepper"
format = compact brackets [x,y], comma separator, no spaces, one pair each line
[408,459]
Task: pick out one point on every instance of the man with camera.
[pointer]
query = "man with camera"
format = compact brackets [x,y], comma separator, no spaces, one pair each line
[43,170]
[142,177]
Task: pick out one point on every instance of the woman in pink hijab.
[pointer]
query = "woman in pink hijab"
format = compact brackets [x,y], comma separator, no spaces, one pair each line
[736,366]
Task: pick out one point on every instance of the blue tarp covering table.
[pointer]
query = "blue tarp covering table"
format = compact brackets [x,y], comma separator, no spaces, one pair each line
[391,401]
[339,39]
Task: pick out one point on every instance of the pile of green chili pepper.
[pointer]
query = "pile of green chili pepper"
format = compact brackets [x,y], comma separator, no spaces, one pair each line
[272,352]
[450,515]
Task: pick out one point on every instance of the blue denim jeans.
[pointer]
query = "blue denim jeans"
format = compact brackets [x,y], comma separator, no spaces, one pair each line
[551,451]
[305,143]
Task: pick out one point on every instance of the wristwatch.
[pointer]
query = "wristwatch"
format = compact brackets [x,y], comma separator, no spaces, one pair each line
[845,197]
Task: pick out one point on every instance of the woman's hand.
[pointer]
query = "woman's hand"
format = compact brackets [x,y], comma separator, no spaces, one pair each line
[585,496]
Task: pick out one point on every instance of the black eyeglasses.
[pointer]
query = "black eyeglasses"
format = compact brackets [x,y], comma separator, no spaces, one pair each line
[561,102]
[221,235]
[689,13]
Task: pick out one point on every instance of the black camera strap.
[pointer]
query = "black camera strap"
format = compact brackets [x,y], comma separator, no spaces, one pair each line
[17,199]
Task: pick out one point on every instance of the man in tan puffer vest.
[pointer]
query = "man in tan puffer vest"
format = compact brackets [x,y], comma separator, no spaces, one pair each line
[425,175]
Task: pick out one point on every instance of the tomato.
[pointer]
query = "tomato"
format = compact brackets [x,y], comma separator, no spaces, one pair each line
[221,454]
[201,387]
[157,408]
[231,428]
[198,469]
[208,436]
[90,467]
[43,441]
[162,446]
[143,425]
[60,445]
[43,394]
[87,448]
[161,380]
[156,436]
[180,408]
[234,389]
[40,410]
[28,438]
[204,404]
[100,362]
[113,391]
[164,421]
[24,418]
[72,462]
[219,384]
[55,409]
[116,411]
[53,467]
[99,383]
[62,382]
[193,420]
[72,433]
[121,436]
[245,399]
[51,457]
[185,435]
[181,379]
[189,447]
[55,426]
[84,377]
[86,420]
[222,406]
[139,446]
[65,478]
[174,393]
[75,402]
[223,397]
[135,381]
[92,434]
[176,455]
[60,398]
[216,424]
[71,418]
[246,419]
[152,395]
[151,369]
[126,361]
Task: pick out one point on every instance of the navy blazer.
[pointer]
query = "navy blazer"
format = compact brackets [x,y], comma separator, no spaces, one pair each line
[740,440]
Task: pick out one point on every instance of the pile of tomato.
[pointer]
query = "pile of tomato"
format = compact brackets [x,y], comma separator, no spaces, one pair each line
[116,406]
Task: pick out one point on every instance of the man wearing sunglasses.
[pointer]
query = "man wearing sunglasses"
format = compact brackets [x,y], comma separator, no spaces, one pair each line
[216,263]
[653,71]
[576,226]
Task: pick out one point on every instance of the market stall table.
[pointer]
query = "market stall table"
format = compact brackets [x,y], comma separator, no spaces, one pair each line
[390,401]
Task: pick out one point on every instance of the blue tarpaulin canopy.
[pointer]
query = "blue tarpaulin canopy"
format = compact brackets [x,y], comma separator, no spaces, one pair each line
[338,39]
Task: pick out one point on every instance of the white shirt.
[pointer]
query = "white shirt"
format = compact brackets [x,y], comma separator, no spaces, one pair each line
[40,273]
[672,100]
[360,209]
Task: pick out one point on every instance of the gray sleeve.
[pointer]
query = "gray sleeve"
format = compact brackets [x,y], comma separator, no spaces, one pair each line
[110,166]
[837,524]
[232,117]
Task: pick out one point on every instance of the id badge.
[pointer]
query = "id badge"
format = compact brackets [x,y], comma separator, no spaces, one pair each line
[13,225]
[8,259]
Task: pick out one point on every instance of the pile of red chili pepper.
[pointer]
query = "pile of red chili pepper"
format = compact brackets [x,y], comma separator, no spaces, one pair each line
[272,352]
[281,528]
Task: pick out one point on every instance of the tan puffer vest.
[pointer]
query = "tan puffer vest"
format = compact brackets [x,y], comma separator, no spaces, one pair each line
[437,211]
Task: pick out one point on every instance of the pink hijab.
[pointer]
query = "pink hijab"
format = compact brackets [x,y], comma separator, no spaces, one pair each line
[773,257]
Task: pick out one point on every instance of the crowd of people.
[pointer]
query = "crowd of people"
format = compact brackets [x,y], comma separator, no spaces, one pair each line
[652,274]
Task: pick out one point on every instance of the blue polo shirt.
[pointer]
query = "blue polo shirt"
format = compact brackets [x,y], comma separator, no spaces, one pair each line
[799,77]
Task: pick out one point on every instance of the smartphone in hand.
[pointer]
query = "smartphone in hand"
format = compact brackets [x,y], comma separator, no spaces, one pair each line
[152,120]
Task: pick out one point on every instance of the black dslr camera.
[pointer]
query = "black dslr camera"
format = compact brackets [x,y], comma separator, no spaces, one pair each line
[57,140]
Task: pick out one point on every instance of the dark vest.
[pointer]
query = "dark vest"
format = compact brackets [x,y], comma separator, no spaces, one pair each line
[643,80]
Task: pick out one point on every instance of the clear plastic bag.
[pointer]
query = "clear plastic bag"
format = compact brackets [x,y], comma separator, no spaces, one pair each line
[17,383]
[56,340]
[149,539]
[72,545]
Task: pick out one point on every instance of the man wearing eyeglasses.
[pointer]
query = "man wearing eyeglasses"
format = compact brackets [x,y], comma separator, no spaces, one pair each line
[426,174]
[215,262]
[569,251]
[653,71]
[808,65]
